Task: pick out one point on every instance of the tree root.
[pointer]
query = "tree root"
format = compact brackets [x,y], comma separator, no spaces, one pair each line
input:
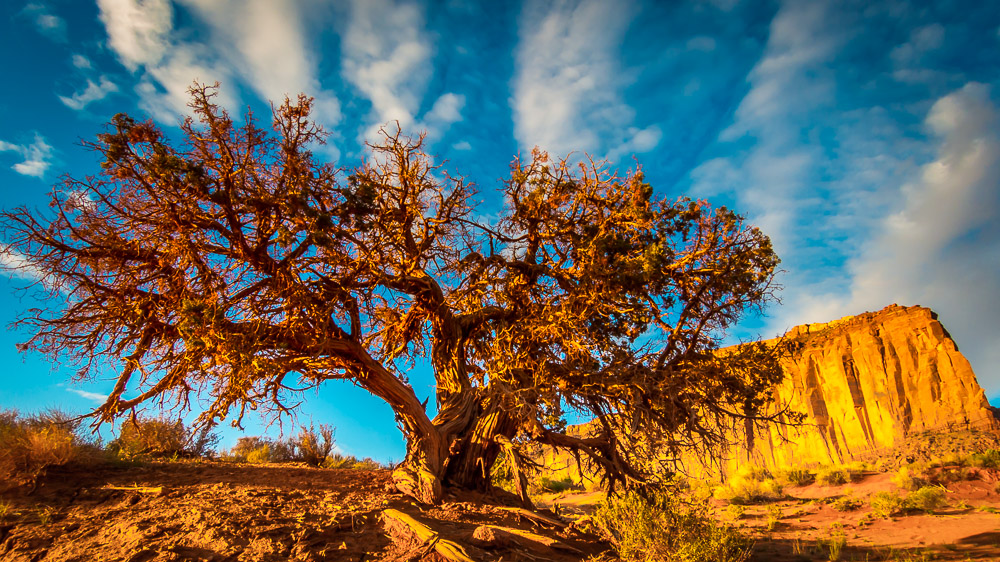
[402,523]
[496,536]
[536,517]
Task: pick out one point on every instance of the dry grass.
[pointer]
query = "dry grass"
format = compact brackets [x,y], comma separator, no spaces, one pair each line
[30,445]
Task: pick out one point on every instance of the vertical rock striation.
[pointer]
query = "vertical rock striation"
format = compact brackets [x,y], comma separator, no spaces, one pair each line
[866,382]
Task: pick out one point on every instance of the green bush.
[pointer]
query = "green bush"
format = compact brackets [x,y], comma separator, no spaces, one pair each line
[846,503]
[548,485]
[664,528]
[742,490]
[796,476]
[837,475]
[886,504]
[307,446]
[908,478]
[927,499]
[150,437]
[986,459]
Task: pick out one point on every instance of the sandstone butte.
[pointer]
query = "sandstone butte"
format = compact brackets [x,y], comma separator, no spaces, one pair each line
[864,383]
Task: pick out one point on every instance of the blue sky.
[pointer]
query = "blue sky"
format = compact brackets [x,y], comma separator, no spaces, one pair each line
[861,136]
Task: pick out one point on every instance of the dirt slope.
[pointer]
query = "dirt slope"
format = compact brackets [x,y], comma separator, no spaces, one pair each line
[225,512]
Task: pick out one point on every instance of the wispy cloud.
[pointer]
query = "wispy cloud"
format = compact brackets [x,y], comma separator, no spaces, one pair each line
[387,57]
[18,265]
[82,62]
[37,156]
[266,42]
[569,80]
[47,23]
[93,92]
[773,180]
[140,33]
[92,396]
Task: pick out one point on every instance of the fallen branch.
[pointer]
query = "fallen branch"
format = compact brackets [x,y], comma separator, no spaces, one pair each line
[536,517]
[403,523]
[496,536]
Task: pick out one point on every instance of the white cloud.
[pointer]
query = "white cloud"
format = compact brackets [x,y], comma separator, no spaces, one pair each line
[93,92]
[81,62]
[47,23]
[37,156]
[773,181]
[569,81]
[18,265]
[92,396]
[138,30]
[908,57]
[387,58]
[939,245]
[265,41]
[462,145]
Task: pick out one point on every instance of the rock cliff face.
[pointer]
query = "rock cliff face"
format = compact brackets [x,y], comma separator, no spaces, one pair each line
[865,382]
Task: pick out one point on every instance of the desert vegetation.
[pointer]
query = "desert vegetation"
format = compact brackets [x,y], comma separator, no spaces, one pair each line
[283,272]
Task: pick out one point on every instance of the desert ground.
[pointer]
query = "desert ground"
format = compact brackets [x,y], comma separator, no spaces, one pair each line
[215,511]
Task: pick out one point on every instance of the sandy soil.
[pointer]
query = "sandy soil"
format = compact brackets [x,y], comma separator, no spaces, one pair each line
[225,512]
[968,529]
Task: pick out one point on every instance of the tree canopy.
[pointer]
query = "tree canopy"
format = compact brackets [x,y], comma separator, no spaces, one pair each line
[236,267]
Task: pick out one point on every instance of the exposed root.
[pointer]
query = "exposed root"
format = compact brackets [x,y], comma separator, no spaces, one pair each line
[402,523]
[495,536]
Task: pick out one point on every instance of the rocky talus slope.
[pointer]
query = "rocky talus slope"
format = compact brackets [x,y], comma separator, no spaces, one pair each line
[867,382]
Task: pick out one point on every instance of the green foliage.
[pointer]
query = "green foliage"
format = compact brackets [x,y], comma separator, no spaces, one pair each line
[736,511]
[308,446]
[664,528]
[846,503]
[260,455]
[832,476]
[796,476]
[548,485]
[986,459]
[835,542]
[908,478]
[774,515]
[746,488]
[927,499]
[886,504]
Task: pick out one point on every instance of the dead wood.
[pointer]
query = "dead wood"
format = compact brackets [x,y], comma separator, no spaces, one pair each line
[403,524]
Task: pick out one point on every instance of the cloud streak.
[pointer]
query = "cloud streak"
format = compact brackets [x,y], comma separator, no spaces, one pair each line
[93,92]
[569,81]
[37,156]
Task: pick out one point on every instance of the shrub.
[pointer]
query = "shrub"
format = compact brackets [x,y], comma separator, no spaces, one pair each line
[774,514]
[28,446]
[846,503]
[926,499]
[742,490]
[908,479]
[837,475]
[548,485]
[367,463]
[312,448]
[796,476]
[836,541]
[150,437]
[886,504]
[985,459]
[664,528]
[260,455]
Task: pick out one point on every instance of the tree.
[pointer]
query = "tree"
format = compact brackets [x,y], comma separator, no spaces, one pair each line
[236,267]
